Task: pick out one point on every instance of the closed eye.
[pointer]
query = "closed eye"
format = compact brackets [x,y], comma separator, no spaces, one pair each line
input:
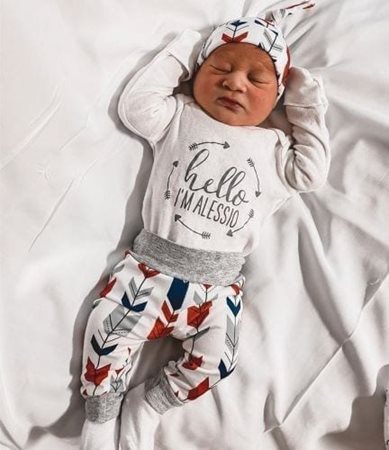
[219,69]
[259,81]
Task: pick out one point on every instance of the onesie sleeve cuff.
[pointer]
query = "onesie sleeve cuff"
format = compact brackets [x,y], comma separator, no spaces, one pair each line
[304,90]
[186,49]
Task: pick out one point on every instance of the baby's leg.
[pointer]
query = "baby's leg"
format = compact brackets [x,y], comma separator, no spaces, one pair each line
[208,327]
[139,419]
[107,359]
[117,327]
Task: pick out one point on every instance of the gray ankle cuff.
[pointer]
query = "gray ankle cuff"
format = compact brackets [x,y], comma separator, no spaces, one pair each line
[104,407]
[159,394]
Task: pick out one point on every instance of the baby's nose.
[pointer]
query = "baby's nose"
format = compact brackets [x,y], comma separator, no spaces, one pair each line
[235,81]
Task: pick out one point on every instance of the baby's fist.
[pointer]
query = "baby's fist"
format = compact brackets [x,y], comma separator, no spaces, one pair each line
[304,89]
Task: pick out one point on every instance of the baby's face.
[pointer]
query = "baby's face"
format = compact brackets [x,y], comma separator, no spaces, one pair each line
[237,84]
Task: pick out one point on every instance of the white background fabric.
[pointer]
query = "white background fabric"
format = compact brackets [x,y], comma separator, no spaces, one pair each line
[314,347]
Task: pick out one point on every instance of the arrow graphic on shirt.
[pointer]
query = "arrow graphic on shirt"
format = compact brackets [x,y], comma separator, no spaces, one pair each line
[251,215]
[167,192]
[196,144]
[252,164]
[204,234]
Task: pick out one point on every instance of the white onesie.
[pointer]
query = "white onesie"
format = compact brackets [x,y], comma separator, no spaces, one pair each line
[212,185]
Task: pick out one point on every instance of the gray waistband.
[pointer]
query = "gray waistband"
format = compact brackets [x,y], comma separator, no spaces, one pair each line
[199,266]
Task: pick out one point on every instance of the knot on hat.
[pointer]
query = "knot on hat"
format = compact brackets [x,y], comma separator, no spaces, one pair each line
[278,15]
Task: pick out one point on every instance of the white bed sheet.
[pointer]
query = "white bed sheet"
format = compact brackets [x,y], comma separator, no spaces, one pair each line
[314,354]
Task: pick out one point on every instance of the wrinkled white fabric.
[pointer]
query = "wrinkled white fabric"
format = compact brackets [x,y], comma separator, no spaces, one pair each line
[313,368]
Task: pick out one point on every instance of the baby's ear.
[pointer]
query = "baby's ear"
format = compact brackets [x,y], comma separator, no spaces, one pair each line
[287,69]
[285,77]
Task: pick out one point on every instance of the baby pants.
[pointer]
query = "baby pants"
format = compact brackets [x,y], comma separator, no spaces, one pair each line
[140,304]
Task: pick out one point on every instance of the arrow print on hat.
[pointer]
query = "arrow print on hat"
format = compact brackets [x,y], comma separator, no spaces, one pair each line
[167,192]
[204,234]
[270,34]
[194,146]
[237,24]
[251,215]
[252,164]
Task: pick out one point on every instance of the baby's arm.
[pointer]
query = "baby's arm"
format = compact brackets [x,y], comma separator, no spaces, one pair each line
[147,105]
[304,164]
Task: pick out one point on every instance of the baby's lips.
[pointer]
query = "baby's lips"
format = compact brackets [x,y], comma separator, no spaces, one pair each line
[230,102]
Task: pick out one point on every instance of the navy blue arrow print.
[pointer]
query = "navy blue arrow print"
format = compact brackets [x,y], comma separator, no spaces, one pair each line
[223,370]
[228,361]
[234,308]
[137,308]
[100,350]
[177,293]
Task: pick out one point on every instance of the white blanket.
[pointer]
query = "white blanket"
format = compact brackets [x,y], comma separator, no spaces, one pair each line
[314,349]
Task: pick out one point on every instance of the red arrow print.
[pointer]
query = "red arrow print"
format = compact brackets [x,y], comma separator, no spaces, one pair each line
[197,314]
[236,288]
[94,375]
[159,330]
[170,317]
[199,390]
[108,288]
[239,38]
[193,363]
[148,272]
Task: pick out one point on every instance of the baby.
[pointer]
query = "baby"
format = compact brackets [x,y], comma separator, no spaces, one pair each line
[216,177]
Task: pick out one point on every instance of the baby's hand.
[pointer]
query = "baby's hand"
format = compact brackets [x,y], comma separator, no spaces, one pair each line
[304,89]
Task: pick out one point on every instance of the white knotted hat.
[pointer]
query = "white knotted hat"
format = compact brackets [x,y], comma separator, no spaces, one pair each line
[264,32]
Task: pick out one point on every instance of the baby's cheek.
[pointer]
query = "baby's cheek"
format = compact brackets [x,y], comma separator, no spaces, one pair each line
[264,98]
[260,108]
[257,100]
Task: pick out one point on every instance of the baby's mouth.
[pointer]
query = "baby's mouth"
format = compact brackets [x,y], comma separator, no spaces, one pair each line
[229,103]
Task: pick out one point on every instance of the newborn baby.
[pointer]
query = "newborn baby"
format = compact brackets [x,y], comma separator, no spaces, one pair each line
[217,175]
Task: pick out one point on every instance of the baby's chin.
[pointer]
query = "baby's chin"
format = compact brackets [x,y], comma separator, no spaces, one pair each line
[232,118]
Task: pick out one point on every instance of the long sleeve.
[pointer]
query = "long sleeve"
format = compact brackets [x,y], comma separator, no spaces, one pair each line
[303,162]
[147,104]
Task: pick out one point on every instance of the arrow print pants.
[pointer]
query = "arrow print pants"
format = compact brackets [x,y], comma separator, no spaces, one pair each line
[141,304]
